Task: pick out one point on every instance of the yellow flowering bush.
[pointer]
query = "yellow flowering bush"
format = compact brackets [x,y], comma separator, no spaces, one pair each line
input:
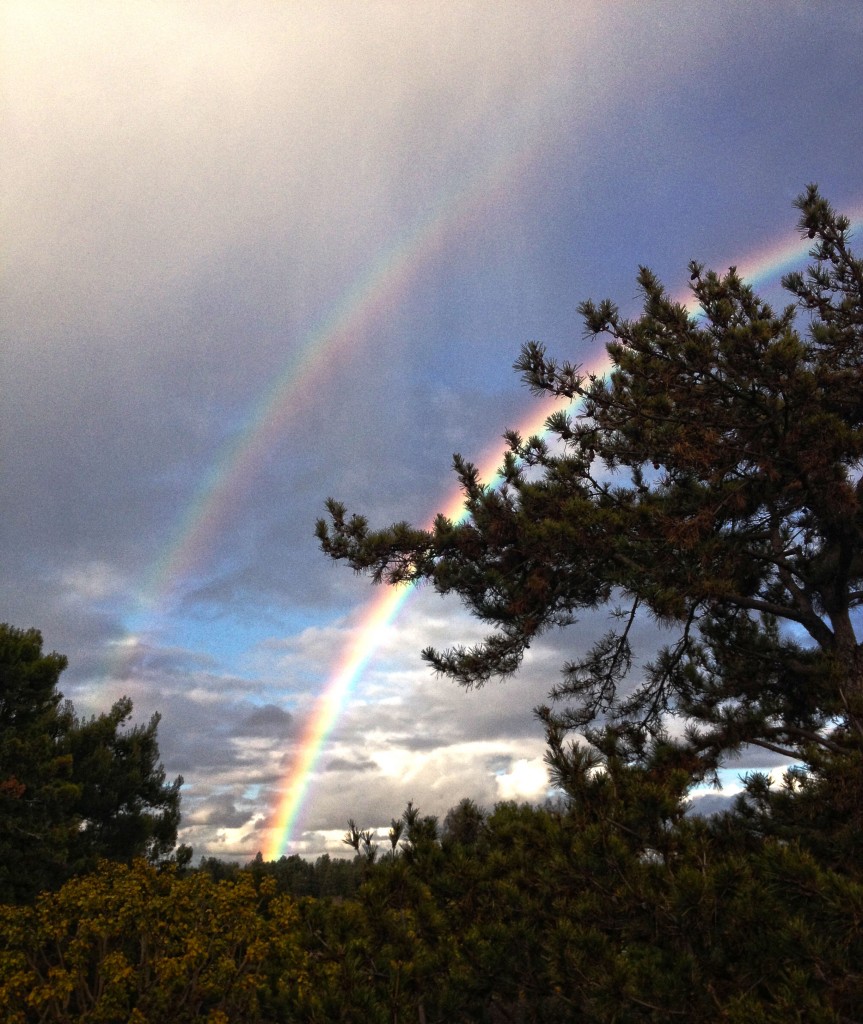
[146,946]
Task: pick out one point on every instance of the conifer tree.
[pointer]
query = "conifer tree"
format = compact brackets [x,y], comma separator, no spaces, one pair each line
[125,806]
[37,792]
[710,480]
[72,790]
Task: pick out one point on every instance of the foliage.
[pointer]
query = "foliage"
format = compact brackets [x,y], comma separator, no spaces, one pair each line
[463,824]
[613,907]
[711,480]
[37,791]
[132,943]
[126,808]
[819,809]
[295,876]
[72,790]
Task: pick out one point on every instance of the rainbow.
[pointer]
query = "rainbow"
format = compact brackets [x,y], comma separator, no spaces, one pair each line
[787,253]
[382,610]
[379,614]
[364,304]
[381,288]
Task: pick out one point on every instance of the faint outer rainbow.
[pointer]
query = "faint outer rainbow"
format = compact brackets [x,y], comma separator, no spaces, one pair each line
[366,303]
[381,288]
[382,610]
[240,461]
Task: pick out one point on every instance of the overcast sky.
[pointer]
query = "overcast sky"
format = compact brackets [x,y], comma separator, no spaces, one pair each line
[256,254]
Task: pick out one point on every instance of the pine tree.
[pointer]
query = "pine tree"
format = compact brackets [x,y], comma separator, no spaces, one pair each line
[711,481]
[37,792]
[126,808]
[72,790]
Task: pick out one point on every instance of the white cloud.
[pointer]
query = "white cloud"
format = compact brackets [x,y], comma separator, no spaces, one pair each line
[94,581]
[527,779]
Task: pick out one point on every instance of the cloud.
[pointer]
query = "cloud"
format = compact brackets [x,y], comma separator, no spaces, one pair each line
[527,779]
[268,721]
[344,764]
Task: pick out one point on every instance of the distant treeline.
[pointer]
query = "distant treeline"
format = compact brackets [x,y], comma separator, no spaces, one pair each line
[294,875]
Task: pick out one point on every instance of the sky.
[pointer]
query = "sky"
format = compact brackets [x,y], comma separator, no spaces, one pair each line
[258,254]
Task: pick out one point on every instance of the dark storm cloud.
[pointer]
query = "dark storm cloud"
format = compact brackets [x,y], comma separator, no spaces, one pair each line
[223,811]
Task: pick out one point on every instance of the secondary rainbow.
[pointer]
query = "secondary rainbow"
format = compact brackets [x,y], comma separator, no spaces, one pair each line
[382,610]
[381,288]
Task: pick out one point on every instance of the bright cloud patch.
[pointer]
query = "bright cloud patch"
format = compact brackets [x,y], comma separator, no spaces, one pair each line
[527,779]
